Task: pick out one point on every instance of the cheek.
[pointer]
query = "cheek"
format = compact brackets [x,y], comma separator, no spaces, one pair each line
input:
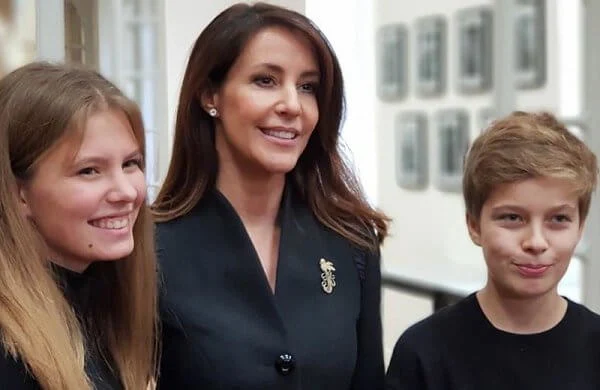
[311,111]
[565,242]
[246,106]
[252,111]
[84,203]
[68,201]
[139,183]
[499,243]
[56,217]
[238,123]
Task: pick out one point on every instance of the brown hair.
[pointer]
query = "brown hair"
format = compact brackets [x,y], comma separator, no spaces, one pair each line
[527,145]
[321,175]
[40,104]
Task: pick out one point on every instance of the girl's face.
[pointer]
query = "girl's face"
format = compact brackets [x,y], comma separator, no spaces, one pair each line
[85,207]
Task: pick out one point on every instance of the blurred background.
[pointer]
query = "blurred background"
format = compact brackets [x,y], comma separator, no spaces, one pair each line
[17,33]
[423,79]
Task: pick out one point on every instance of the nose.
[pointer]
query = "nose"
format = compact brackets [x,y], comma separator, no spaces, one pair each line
[535,242]
[289,104]
[122,188]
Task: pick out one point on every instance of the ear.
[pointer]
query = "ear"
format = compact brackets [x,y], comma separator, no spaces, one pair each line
[22,199]
[209,99]
[474,229]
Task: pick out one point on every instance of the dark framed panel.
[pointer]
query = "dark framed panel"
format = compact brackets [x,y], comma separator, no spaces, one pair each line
[411,150]
[431,46]
[453,142]
[530,43]
[392,62]
[474,49]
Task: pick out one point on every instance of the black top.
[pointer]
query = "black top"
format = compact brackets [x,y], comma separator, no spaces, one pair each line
[224,328]
[458,348]
[79,290]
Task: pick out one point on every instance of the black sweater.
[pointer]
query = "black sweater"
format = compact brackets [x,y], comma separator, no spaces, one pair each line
[79,290]
[457,348]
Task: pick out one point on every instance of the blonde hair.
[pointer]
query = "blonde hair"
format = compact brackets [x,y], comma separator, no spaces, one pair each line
[40,104]
[527,145]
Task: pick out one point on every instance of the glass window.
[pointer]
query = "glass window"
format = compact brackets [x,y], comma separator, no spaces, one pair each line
[140,69]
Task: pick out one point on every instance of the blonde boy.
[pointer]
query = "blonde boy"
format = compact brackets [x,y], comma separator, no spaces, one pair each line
[527,188]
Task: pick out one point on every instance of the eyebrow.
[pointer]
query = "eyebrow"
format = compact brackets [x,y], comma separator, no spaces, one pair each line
[565,207]
[278,69]
[97,160]
[562,207]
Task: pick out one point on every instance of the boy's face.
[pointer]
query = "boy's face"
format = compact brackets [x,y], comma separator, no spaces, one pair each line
[528,231]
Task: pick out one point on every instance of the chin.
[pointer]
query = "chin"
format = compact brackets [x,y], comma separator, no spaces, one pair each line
[280,167]
[116,253]
[536,291]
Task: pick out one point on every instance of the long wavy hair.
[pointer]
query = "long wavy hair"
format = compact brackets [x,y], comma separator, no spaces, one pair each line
[40,104]
[321,175]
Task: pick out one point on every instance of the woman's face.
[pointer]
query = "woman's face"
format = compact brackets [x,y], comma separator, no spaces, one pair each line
[85,207]
[267,106]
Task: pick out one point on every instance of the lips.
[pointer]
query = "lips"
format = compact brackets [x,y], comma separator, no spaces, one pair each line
[280,133]
[111,222]
[532,270]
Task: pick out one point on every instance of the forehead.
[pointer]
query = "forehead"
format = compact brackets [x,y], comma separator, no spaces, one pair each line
[534,193]
[108,134]
[102,132]
[278,45]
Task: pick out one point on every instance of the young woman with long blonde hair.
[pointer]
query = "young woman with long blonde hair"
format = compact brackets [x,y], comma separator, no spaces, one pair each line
[77,265]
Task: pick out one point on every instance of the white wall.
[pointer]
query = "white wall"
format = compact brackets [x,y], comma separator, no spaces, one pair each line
[348,26]
[569,42]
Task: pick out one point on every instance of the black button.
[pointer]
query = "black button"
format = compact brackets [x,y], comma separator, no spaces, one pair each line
[285,364]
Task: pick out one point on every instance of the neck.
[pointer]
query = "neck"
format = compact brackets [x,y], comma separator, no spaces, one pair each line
[256,199]
[521,315]
[72,265]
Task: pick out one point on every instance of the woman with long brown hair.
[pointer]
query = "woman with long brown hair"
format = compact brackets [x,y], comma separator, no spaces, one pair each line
[77,266]
[268,249]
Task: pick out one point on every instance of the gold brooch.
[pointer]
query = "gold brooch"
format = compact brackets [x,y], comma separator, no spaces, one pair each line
[327,276]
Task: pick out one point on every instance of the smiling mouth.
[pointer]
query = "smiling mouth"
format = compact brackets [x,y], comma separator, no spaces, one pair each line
[113,223]
[280,134]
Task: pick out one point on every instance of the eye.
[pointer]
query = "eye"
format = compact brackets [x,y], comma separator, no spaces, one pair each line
[264,81]
[309,87]
[510,217]
[134,162]
[88,171]
[561,218]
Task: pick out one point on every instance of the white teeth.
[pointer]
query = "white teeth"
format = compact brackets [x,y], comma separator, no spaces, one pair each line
[111,223]
[281,134]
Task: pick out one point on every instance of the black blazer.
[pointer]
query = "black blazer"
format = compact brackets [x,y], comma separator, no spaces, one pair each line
[223,327]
